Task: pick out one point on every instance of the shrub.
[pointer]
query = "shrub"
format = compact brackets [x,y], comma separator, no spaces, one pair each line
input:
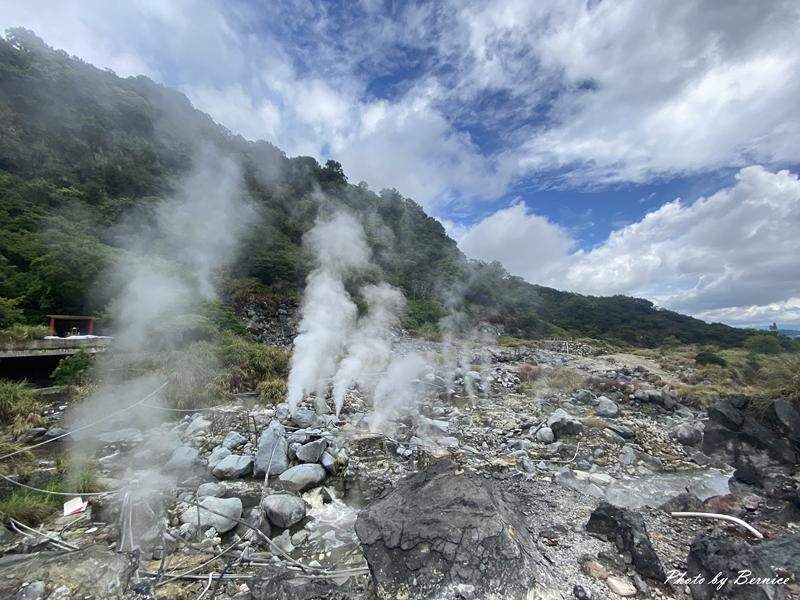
[21,333]
[73,370]
[18,462]
[9,312]
[562,379]
[79,475]
[190,373]
[709,358]
[19,409]
[28,507]
[763,344]
[565,379]
[528,372]
[248,363]
[272,391]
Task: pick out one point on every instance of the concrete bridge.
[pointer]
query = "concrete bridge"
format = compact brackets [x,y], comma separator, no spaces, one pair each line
[54,346]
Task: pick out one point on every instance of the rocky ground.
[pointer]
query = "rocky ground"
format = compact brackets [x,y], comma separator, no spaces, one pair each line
[531,473]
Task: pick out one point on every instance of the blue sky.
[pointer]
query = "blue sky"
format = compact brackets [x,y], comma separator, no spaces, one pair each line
[604,147]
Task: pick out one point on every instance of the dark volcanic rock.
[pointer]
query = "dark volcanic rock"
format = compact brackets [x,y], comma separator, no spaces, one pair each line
[787,414]
[442,528]
[727,414]
[752,437]
[709,556]
[685,502]
[627,530]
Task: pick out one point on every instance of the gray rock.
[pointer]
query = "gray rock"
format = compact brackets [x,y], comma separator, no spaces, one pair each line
[55,432]
[198,425]
[581,592]
[628,456]
[451,442]
[33,591]
[304,417]
[183,458]
[562,423]
[788,416]
[284,541]
[228,509]
[232,466]
[627,530]
[710,555]
[234,439]
[255,518]
[545,435]
[311,451]
[217,454]
[606,407]
[302,477]
[724,412]
[481,540]
[211,489]
[687,435]
[623,431]
[273,450]
[328,462]
[284,510]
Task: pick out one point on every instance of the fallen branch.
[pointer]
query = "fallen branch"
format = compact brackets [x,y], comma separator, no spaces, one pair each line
[736,520]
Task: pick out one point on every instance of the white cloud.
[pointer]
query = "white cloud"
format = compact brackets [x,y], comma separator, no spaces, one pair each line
[646,89]
[732,255]
[593,92]
[526,244]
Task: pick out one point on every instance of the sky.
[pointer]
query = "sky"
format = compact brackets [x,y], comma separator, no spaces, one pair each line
[613,147]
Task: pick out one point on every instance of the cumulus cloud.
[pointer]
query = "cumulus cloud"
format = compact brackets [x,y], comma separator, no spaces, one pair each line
[525,243]
[588,93]
[731,256]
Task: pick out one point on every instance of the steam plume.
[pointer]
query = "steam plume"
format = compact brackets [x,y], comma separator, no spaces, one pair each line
[369,347]
[165,269]
[329,314]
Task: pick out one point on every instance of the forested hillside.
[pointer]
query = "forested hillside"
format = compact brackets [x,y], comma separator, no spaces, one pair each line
[82,149]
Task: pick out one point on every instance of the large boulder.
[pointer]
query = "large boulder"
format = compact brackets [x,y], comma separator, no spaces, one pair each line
[183,459]
[627,530]
[312,451]
[687,434]
[441,529]
[721,558]
[788,416]
[219,513]
[606,407]
[284,510]
[233,466]
[217,454]
[724,412]
[233,440]
[562,423]
[302,477]
[304,417]
[272,450]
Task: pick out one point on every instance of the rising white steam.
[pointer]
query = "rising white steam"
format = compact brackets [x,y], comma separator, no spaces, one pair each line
[166,267]
[369,347]
[399,388]
[328,313]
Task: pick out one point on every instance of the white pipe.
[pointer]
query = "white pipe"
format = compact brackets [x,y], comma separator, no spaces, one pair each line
[736,520]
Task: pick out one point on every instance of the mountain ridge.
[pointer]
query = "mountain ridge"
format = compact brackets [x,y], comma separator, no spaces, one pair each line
[72,170]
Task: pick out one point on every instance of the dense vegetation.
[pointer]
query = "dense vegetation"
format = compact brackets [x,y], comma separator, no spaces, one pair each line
[82,148]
